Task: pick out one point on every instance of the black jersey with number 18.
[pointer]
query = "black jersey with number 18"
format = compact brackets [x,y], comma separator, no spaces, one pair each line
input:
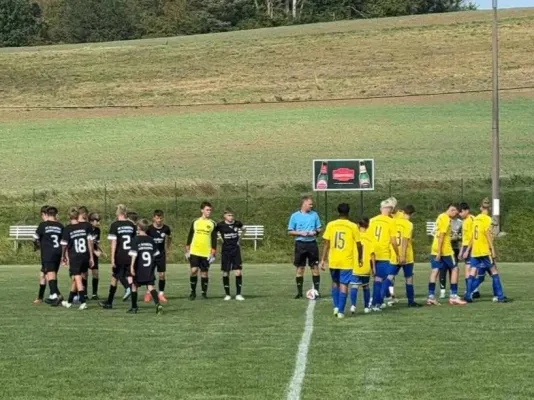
[76,237]
[123,232]
[49,234]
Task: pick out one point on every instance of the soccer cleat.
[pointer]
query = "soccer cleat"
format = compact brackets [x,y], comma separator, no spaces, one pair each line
[127,294]
[353,309]
[504,300]
[37,301]
[431,301]
[57,302]
[476,295]
[227,297]
[468,299]
[456,300]
[132,311]
[204,296]
[383,305]
[159,309]
[376,309]
[239,297]
[336,311]
[94,297]
[414,304]
[83,306]
[495,299]
[299,296]
[162,298]
[148,297]
[366,310]
[50,301]
[105,305]
[66,304]
[442,294]
[340,315]
[192,296]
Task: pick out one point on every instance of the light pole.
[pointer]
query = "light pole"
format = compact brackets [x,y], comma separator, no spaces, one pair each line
[495,126]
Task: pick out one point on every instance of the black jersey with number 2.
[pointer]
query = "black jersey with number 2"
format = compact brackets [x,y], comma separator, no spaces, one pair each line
[229,234]
[49,235]
[123,232]
[76,237]
[160,235]
[145,250]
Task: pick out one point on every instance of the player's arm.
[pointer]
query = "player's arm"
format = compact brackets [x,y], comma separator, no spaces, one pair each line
[213,241]
[189,240]
[317,228]
[91,249]
[133,256]
[326,249]
[112,237]
[359,246]
[37,238]
[292,228]
[403,248]
[373,263]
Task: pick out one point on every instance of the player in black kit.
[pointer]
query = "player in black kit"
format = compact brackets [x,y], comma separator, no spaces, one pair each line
[77,244]
[121,234]
[94,220]
[144,252]
[230,231]
[42,277]
[47,237]
[161,234]
[83,219]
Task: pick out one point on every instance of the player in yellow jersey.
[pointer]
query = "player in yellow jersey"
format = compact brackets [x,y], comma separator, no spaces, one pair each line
[395,213]
[442,256]
[405,259]
[361,274]
[384,230]
[467,232]
[200,250]
[483,255]
[343,247]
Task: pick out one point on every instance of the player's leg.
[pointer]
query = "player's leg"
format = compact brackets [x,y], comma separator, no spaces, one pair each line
[442,283]
[193,277]
[134,308]
[95,280]
[42,287]
[335,274]
[345,277]
[55,296]
[353,288]
[435,268]
[115,275]
[161,267]
[204,277]
[85,277]
[82,294]
[226,267]
[498,291]
[472,279]
[408,280]
[313,262]
[381,274]
[300,263]
[451,265]
[237,267]
[392,271]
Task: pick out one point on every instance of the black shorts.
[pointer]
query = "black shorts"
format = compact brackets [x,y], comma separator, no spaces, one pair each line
[50,266]
[231,260]
[78,267]
[306,253]
[161,263]
[201,263]
[144,276]
[120,270]
[96,262]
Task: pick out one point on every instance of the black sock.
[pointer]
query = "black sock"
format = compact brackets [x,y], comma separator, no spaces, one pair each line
[316,282]
[226,285]
[71,296]
[84,283]
[53,286]
[95,286]
[83,296]
[442,279]
[112,290]
[154,294]
[300,283]
[193,280]
[124,282]
[238,283]
[161,284]
[204,285]
[57,288]
[42,289]
[134,299]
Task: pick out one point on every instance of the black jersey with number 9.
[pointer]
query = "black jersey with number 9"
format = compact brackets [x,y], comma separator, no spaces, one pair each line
[145,250]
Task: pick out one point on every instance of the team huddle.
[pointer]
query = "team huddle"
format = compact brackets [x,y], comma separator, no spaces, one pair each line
[138,250]
[383,246]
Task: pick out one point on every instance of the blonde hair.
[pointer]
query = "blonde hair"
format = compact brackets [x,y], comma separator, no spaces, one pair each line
[121,209]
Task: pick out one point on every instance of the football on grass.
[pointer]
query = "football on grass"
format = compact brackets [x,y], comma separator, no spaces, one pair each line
[312,294]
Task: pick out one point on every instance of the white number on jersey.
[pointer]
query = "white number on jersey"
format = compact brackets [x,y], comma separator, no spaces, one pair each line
[80,245]
[126,242]
[55,239]
[147,258]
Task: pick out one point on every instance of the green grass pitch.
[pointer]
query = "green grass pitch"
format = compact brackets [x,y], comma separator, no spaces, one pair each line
[210,349]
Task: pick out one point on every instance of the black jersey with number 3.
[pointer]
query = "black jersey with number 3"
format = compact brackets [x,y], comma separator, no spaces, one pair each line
[229,234]
[145,250]
[49,235]
[76,237]
[160,235]
[123,232]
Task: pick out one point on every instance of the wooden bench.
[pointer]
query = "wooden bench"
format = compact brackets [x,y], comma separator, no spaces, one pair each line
[430,228]
[251,232]
[21,233]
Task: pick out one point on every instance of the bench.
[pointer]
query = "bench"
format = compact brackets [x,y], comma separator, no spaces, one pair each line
[430,228]
[252,232]
[21,233]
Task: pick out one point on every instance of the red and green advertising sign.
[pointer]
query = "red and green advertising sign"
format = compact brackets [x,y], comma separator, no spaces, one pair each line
[336,175]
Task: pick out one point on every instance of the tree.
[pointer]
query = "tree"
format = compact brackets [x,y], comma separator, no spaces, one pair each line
[20,22]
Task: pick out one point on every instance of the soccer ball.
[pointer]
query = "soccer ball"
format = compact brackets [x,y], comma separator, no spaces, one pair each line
[312,294]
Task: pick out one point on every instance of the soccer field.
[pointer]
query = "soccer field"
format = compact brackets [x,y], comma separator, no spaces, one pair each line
[210,349]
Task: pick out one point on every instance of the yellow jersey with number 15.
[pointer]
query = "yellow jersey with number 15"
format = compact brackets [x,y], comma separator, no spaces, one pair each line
[443,226]
[383,228]
[343,236]
[404,231]
[481,226]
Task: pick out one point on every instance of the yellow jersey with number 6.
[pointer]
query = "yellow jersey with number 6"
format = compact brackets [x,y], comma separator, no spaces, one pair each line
[342,235]
[404,230]
[443,226]
[481,227]
[383,228]
[368,243]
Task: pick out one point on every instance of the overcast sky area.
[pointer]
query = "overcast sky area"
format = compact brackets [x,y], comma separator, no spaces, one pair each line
[487,4]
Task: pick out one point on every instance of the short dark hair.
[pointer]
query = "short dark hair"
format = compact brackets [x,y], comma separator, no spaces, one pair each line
[364,222]
[132,216]
[73,213]
[409,209]
[463,206]
[158,213]
[343,209]
[452,205]
[94,217]
[83,210]
[44,209]
[51,211]
[205,204]
[143,224]
[305,198]
[228,210]
[485,203]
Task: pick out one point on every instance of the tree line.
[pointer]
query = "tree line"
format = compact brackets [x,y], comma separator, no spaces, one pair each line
[33,22]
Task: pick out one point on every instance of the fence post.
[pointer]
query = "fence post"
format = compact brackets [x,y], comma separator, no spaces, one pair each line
[106,202]
[326,207]
[246,200]
[175,200]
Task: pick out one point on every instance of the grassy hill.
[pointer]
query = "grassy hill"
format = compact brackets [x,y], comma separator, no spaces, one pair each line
[393,56]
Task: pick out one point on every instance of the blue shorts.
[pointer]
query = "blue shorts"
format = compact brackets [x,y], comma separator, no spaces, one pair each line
[360,280]
[341,276]
[446,262]
[382,269]
[406,268]
[468,258]
[482,264]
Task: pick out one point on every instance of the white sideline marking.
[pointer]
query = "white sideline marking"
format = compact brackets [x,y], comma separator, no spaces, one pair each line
[295,386]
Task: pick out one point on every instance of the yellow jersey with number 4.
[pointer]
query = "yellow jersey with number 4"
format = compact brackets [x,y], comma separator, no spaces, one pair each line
[467,230]
[383,228]
[481,227]
[404,230]
[343,236]
[443,226]
[368,243]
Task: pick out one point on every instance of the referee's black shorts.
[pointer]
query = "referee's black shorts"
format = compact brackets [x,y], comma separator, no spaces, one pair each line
[306,253]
